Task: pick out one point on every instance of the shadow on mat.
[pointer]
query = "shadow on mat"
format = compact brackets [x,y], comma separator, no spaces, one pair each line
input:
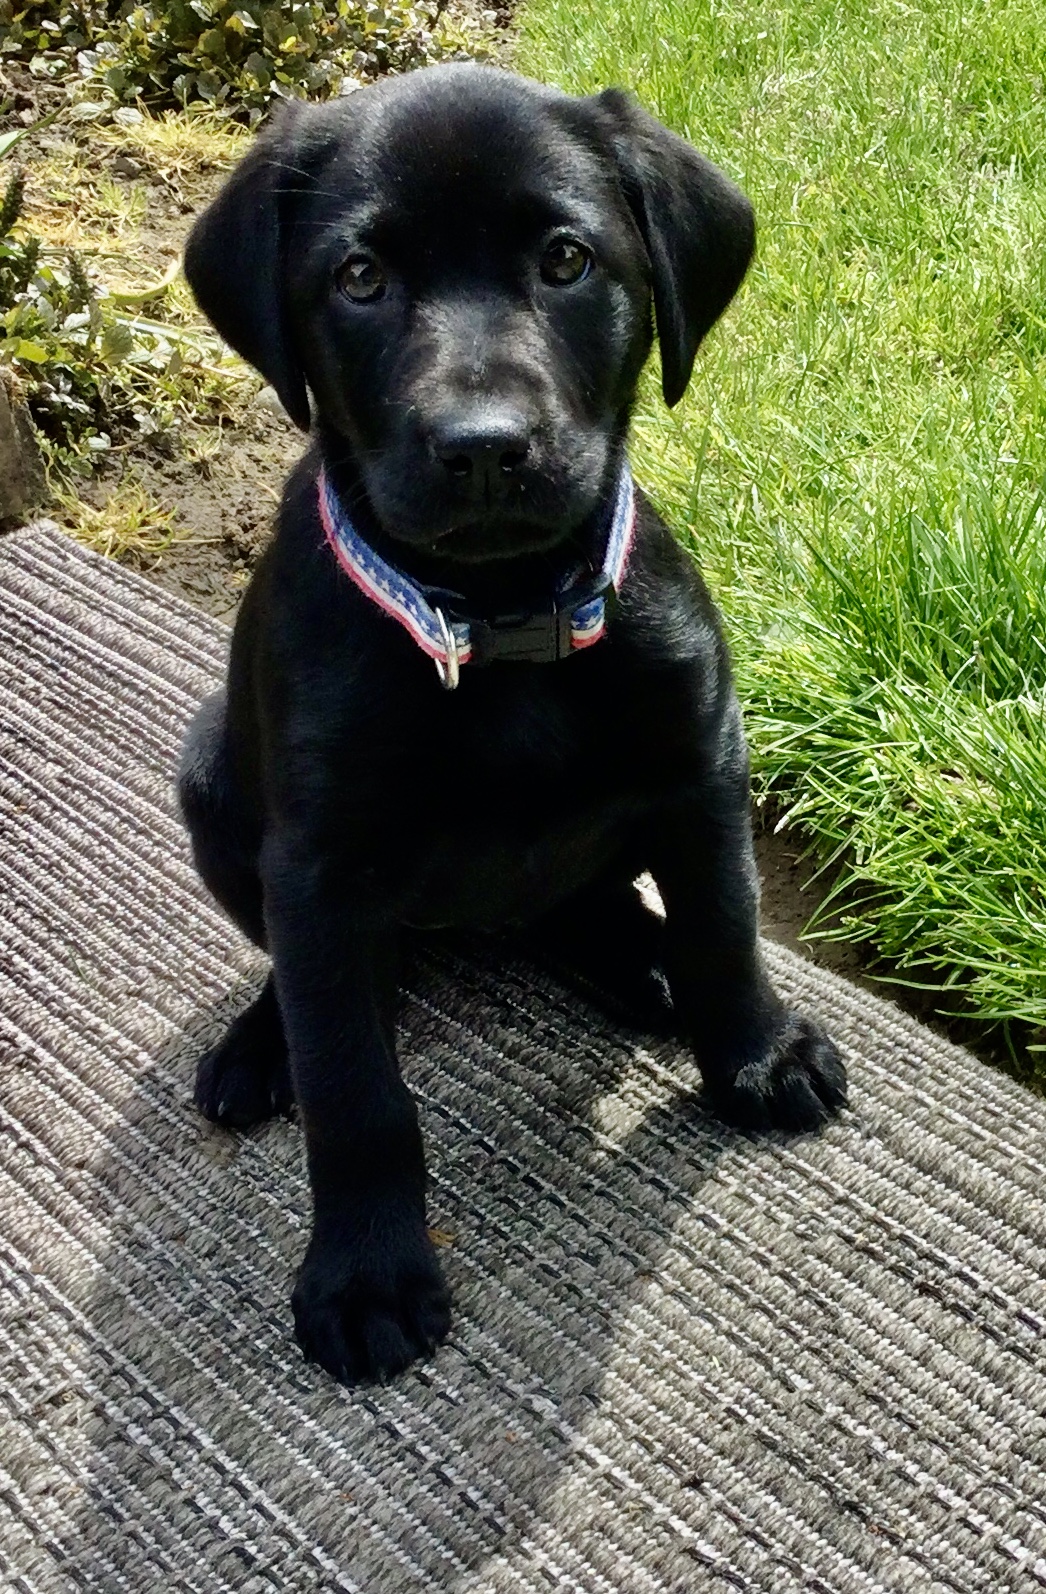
[562,1151]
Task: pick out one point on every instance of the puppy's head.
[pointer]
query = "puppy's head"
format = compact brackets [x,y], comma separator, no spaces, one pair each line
[459,266]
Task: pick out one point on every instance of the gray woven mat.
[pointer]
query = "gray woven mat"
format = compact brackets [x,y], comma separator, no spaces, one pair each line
[683,1358]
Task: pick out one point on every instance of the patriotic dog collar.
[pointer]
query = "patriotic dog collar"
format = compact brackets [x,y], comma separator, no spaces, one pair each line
[576,615]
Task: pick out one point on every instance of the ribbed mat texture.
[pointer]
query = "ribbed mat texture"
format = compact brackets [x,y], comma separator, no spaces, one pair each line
[683,1358]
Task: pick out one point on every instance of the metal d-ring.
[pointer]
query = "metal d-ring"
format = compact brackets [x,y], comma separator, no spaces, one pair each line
[449,673]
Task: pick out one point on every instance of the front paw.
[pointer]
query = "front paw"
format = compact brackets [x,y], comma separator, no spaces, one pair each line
[796,1081]
[364,1310]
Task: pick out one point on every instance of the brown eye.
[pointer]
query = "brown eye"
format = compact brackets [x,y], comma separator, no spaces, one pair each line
[360,279]
[565,262]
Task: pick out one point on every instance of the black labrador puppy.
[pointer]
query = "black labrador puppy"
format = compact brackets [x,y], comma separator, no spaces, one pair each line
[475,682]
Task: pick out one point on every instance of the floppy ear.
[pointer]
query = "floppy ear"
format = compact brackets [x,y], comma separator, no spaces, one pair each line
[699,230]
[234,263]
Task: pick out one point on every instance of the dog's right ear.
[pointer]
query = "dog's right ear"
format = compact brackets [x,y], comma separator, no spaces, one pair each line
[234,262]
[698,228]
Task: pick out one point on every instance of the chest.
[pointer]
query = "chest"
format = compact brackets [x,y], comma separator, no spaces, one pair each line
[511,801]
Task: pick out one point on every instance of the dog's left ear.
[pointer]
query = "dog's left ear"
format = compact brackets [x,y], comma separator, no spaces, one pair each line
[699,230]
[234,262]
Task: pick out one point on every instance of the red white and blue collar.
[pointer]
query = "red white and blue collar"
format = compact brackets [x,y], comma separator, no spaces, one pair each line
[575,618]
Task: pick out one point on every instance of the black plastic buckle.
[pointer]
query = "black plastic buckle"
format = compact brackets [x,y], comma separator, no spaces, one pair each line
[540,638]
[525,639]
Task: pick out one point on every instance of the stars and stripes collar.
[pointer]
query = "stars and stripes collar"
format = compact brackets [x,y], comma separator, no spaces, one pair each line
[575,618]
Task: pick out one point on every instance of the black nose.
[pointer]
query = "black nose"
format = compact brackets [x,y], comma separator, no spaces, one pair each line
[481,448]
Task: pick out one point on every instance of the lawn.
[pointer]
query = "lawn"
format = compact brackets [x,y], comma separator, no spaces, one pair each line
[860,463]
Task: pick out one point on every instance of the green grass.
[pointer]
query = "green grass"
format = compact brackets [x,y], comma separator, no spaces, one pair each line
[861,458]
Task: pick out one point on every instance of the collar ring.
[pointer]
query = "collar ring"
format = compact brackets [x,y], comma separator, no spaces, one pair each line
[450,672]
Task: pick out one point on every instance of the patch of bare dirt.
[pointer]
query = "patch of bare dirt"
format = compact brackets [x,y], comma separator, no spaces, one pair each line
[124,198]
[25,98]
[225,500]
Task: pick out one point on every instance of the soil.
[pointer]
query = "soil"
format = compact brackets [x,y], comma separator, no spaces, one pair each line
[221,480]
[226,501]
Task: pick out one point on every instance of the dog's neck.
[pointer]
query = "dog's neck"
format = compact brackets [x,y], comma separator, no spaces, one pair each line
[568,611]
[484,587]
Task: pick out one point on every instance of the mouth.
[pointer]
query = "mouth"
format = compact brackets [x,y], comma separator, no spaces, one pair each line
[480,542]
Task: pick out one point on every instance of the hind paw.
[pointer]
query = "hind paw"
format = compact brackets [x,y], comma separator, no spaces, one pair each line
[245,1080]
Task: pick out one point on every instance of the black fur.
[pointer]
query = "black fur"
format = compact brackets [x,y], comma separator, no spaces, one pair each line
[472,418]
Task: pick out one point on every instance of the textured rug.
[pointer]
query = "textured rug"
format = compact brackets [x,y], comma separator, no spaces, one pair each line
[683,1358]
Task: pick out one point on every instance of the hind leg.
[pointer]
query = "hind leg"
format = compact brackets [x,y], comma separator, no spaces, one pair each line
[764,1065]
[224,840]
[244,1079]
[607,941]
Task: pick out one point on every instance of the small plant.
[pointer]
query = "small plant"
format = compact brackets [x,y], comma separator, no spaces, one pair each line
[50,319]
[234,56]
[92,373]
[242,53]
[130,526]
[32,31]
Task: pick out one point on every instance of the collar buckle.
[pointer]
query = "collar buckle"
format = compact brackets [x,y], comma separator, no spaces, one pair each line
[540,638]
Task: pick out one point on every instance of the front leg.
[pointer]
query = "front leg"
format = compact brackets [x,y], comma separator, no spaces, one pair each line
[370,1295]
[763,1065]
